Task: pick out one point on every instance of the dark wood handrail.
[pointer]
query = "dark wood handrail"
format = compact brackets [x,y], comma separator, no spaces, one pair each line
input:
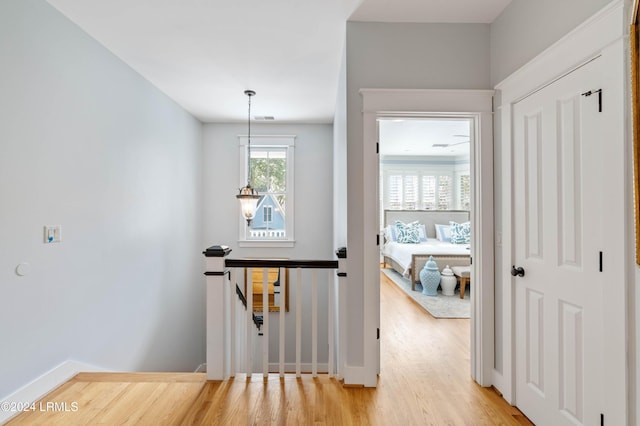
[281,263]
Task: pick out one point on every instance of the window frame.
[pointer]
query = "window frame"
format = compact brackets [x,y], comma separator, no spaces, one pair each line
[268,141]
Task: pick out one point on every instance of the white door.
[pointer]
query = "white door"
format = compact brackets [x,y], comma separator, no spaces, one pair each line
[558,138]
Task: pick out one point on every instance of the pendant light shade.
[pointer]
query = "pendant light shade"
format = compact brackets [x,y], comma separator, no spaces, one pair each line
[248,202]
[248,196]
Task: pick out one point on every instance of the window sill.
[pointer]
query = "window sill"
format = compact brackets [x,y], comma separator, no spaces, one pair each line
[266,243]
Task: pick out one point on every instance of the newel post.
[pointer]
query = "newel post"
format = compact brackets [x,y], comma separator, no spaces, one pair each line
[217,326]
[341,253]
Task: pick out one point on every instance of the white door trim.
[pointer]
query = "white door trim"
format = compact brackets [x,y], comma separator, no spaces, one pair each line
[601,35]
[474,104]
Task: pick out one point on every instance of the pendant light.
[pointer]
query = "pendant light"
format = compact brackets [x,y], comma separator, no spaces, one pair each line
[248,196]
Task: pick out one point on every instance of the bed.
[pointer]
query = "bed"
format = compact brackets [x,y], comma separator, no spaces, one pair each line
[409,259]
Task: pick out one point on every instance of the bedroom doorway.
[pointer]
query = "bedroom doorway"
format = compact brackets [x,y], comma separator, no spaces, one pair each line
[477,106]
[425,186]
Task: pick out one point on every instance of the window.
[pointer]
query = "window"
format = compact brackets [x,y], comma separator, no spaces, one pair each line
[428,192]
[465,192]
[444,193]
[267,214]
[424,189]
[271,166]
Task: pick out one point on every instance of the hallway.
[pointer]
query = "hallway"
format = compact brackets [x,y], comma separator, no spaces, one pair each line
[424,381]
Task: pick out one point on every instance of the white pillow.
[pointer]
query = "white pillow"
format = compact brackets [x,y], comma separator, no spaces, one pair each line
[391,234]
[443,233]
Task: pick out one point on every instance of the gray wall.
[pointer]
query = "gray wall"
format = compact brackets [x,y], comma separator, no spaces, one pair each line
[521,32]
[383,55]
[313,212]
[88,144]
[526,28]
[313,188]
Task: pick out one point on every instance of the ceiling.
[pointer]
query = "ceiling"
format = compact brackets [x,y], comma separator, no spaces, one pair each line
[417,137]
[204,53]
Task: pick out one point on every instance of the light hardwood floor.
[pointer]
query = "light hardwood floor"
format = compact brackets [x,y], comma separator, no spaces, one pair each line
[424,381]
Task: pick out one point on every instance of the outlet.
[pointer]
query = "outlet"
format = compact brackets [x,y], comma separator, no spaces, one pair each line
[52,234]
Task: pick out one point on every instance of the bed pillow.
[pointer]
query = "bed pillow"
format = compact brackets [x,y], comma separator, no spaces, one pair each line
[390,233]
[423,232]
[443,233]
[460,232]
[407,233]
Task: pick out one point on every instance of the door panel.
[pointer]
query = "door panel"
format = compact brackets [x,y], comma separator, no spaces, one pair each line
[533,184]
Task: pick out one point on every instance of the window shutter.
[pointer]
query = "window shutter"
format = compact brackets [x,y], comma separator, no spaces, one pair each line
[465,192]
[410,192]
[444,192]
[395,192]
[428,192]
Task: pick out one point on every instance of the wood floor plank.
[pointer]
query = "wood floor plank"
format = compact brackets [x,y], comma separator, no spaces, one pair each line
[425,380]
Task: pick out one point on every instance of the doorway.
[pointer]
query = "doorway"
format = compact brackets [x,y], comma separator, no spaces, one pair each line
[425,193]
[473,105]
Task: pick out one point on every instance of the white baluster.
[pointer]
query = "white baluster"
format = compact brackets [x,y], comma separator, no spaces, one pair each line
[314,323]
[298,321]
[250,325]
[265,323]
[233,297]
[283,292]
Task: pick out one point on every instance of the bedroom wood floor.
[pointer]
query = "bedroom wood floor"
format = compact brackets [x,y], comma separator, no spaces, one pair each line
[424,381]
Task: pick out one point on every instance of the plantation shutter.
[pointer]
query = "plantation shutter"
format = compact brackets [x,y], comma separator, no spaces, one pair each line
[444,192]
[465,192]
[428,192]
[410,192]
[395,192]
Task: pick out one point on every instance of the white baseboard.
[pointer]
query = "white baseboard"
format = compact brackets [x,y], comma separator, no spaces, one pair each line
[39,387]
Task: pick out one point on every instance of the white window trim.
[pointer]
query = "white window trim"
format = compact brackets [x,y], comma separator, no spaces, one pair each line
[287,141]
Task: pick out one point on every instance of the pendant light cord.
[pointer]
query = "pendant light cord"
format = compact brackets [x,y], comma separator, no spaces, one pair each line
[249,143]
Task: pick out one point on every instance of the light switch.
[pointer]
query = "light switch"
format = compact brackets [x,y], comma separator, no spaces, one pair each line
[52,234]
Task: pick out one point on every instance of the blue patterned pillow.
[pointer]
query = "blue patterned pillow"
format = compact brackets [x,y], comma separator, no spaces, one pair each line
[407,233]
[460,232]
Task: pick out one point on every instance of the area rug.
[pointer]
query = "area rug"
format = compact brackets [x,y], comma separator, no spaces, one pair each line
[438,306]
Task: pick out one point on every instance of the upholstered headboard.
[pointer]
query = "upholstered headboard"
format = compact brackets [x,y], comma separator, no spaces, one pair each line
[428,217]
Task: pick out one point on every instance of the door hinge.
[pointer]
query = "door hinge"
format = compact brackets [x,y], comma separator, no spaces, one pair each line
[470,260]
[378,239]
[600,261]
[377,148]
[601,419]
[378,333]
[593,92]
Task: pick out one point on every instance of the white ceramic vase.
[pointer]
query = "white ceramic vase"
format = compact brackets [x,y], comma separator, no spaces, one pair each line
[448,281]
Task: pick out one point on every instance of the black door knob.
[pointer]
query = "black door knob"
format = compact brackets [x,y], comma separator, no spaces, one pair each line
[517,272]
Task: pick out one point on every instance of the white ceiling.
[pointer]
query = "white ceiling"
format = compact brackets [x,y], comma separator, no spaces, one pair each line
[204,53]
[412,137]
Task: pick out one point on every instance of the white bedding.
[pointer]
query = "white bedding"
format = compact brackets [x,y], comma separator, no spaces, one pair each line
[401,253]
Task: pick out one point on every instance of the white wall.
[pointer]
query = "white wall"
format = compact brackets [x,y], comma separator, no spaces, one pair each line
[88,144]
[313,206]
[382,55]
[525,28]
[340,204]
